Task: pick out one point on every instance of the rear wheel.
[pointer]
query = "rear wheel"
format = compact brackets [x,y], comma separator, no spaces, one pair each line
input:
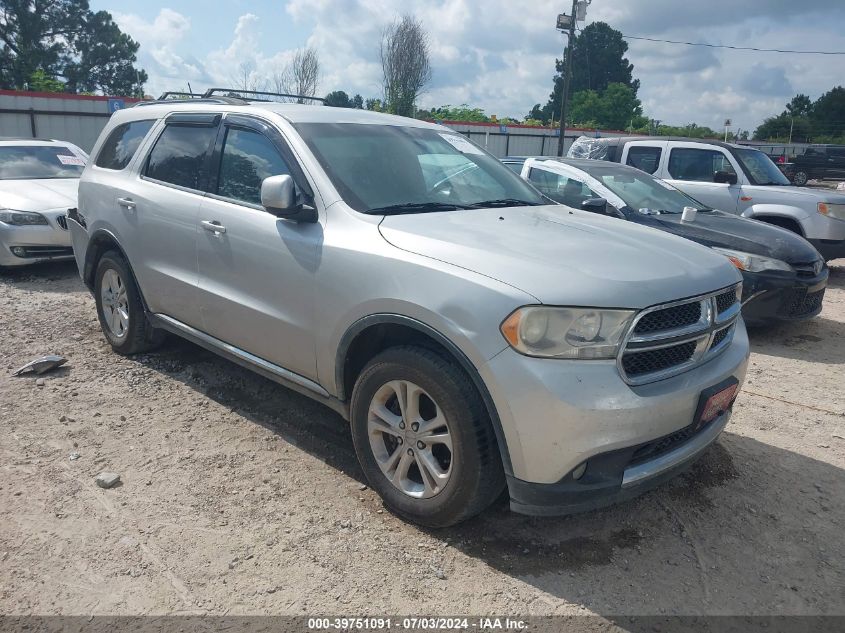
[800,178]
[120,309]
[423,437]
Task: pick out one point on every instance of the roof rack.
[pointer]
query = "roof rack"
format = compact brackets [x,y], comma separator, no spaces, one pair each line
[179,95]
[235,92]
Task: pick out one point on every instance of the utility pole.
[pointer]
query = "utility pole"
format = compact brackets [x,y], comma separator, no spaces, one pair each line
[567,71]
[791,123]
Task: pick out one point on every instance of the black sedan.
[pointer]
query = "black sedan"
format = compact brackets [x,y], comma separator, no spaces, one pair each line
[784,277]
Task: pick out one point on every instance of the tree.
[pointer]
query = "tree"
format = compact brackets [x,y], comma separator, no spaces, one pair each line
[828,114]
[357,102]
[374,105]
[338,99]
[405,63]
[778,128]
[598,60]
[66,41]
[246,78]
[40,81]
[801,105]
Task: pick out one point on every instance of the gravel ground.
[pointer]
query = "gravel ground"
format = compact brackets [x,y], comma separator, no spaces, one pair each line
[240,497]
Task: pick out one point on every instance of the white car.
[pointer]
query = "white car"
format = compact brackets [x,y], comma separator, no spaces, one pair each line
[39,180]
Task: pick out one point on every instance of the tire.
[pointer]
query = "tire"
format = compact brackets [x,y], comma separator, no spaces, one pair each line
[800,178]
[471,460]
[116,294]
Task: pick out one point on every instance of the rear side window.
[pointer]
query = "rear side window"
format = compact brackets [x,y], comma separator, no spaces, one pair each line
[122,144]
[248,158]
[686,163]
[179,155]
[644,158]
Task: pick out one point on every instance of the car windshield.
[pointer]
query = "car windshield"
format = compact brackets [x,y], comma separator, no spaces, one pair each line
[383,169]
[24,162]
[639,190]
[759,168]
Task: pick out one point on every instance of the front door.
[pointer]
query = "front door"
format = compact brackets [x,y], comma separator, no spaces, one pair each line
[256,271]
[693,169]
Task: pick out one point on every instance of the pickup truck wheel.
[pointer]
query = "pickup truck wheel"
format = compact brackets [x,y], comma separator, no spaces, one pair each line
[423,437]
[120,309]
[800,178]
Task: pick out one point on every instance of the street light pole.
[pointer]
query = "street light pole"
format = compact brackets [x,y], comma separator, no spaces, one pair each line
[564,93]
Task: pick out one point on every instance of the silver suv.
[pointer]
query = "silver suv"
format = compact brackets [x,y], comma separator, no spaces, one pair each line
[474,336]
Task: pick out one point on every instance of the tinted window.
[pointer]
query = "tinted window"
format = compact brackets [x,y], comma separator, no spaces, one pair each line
[645,158]
[697,164]
[39,161]
[121,144]
[561,188]
[514,167]
[248,158]
[759,168]
[179,155]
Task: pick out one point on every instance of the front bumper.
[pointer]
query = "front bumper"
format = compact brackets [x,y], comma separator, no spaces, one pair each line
[38,243]
[768,297]
[556,414]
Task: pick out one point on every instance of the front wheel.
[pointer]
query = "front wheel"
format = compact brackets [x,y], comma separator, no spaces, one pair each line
[423,437]
[800,178]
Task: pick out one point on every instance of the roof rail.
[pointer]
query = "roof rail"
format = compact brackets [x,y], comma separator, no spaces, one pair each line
[235,92]
[193,98]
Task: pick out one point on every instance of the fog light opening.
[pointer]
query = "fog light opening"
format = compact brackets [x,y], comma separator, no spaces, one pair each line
[579,471]
[20,251]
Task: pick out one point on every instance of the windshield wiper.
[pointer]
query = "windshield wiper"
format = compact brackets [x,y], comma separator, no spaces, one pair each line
[503,202]
[416,207]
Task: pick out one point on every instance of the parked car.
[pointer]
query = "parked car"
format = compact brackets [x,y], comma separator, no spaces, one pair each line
[474,336]
[38,183]
[783,276]
[819,162]
[731,178]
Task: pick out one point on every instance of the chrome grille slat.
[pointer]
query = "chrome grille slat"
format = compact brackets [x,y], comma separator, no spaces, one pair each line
[670,344]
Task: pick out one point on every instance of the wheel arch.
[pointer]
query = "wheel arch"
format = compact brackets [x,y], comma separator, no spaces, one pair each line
[374,333]
[101,242]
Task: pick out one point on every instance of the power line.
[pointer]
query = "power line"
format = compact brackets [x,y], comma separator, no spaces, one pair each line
[736,48]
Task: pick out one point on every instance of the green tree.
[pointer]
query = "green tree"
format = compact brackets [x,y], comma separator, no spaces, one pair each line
[614,108]
[68,41]
[777,128]
[39,81]
[828,114]
[338,99]
[357,102]
[598,60]
[801,105]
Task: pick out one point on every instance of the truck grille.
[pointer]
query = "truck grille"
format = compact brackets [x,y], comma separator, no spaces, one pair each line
[801,303]
[668,339]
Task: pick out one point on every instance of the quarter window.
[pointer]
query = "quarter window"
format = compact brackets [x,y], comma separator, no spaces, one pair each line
[687,163]
[122,143]
[179,155]
[644,158]
[248,158]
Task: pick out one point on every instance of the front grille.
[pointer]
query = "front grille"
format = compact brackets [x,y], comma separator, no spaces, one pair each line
[800,303]
[670,318]
[651,361]
[664,444]
[672,338]
[62,222]
[725,300]
[26,252]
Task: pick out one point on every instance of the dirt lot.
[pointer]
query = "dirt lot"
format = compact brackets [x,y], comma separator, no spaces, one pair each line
[241,497]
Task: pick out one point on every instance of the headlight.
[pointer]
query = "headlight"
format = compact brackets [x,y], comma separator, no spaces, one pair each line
[579,333]
[21,218]
[752,263]
[832,210]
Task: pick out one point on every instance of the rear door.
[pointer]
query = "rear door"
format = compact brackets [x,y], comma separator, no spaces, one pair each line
[164,202]
[691,167]
[256,271]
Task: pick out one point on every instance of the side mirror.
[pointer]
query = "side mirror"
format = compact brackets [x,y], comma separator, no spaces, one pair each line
[725,177]
[278,196]
[595,205]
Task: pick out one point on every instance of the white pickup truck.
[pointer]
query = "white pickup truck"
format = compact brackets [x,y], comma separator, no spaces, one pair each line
[732,178]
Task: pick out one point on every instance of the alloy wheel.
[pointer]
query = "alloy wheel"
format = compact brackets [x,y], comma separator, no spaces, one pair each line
[115,303]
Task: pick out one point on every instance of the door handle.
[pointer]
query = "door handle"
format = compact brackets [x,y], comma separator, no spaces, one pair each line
[126,203]
[214,226]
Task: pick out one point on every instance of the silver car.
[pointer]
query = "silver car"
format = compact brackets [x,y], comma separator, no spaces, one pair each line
[474,337]
[38,184]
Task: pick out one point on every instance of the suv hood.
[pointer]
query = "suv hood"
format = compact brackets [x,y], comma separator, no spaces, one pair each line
[563,256]
[777,193]
[39,195]
[716,228]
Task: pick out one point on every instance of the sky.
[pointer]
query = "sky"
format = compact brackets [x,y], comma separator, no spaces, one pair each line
[499,54]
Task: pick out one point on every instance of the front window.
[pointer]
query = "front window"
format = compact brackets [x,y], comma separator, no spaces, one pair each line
[759,168]
[247,159]
[392,169]
[687,163]
[25,162]
[560,188]
[641,191]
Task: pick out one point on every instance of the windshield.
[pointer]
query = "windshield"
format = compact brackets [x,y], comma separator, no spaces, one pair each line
[395,169]
[638,190]
[759,168]
[24,162]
